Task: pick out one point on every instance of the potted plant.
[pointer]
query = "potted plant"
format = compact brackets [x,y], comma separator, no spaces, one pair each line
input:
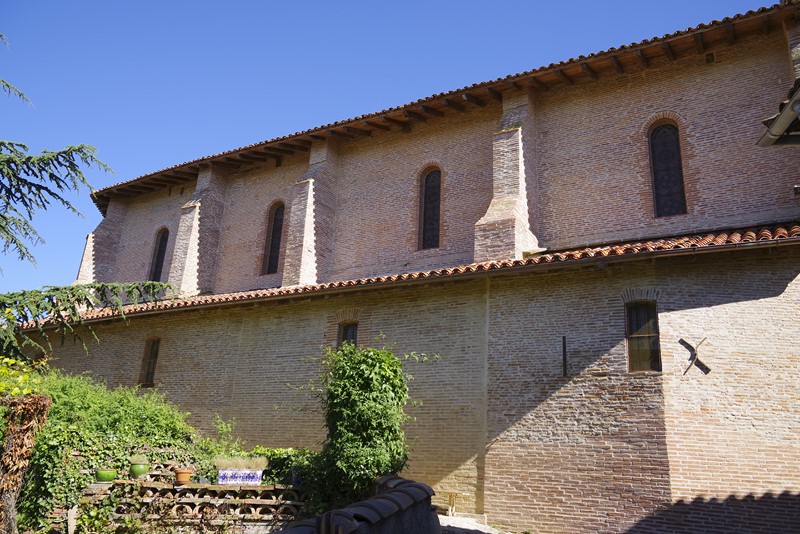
[240,470]
[105,475]
[183,475]
[139,465]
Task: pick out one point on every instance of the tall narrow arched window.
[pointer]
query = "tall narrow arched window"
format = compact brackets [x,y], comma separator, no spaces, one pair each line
[667,168]
[160,252]
[272,246]
[430,207]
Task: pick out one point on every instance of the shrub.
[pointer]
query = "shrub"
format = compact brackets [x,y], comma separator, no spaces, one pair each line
[91,426]
[363,394]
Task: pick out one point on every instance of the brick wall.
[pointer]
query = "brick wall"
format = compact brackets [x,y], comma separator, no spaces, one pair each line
[593,153]
[500,428]
[586,176]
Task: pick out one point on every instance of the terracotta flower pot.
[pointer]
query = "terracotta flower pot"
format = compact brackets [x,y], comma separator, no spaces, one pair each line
[182,476]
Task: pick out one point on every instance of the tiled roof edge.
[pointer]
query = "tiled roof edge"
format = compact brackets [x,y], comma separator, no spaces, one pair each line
[551,66]
[762,236]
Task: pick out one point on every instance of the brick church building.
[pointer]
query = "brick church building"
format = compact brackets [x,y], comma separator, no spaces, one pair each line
[602,256]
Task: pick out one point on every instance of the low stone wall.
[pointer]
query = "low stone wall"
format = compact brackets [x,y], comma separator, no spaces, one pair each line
[400,506]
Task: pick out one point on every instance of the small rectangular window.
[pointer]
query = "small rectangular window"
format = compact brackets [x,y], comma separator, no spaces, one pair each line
[348,332]
[149,364]
[644,353]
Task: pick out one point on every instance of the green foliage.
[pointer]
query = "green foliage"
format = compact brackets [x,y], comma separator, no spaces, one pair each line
[364,392]
[90,426]
[30,182]
[17,377]
[284,465]
[29,317]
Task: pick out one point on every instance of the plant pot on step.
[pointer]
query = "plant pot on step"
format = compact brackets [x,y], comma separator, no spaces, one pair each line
[183,476]
[139,466]
[105,475]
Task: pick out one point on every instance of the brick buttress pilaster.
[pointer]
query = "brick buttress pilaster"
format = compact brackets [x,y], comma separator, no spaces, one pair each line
[308,247]
[194,260]
[101,253]
[504,232]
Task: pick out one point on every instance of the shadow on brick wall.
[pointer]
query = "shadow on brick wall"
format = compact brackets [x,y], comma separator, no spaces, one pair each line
[769,513]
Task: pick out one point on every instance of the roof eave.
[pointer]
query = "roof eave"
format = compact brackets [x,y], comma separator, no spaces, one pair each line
[583,69]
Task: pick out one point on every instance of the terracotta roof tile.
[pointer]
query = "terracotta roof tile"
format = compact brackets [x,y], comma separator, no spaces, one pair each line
[708,241]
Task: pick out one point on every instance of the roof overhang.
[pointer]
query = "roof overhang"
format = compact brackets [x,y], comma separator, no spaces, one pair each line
[700,40]
[771,236]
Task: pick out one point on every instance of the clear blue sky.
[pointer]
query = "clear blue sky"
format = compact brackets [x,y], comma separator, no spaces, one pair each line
[152,84]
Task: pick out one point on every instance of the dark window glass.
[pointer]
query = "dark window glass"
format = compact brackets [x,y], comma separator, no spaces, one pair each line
[149,367]
[665,155]
[348,332]
[431,201]
[272,251]
[158,255]
[644,353]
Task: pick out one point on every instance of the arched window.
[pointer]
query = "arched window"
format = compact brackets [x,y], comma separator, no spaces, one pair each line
[272,246]
[667,168]
[160,252]
[430,205]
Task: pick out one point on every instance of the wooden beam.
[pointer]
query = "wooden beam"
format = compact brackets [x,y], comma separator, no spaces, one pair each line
[431,111]
[226,164]
[667,51]
[494,95]
[288,148]
[453,105]
[541,86]
[402,124]
[472,99]
[517,86]
[563,75]
[275,150]
[588,70]
[294,146]
[318,137]
[337,133]
[765,24]
[230,161]
[358,131]
[167,180]
[617,65]
[373,124]
[641,58]
[414,116]
[699,45]
[255,156]
[183,174]
[731,33]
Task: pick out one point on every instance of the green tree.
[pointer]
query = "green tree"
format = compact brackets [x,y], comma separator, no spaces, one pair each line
[29,183]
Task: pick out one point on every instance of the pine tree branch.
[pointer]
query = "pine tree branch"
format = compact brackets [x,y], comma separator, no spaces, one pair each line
[29,183]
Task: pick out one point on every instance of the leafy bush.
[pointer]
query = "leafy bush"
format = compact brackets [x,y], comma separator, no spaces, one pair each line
[284,466]
[91,426]
[363,394]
